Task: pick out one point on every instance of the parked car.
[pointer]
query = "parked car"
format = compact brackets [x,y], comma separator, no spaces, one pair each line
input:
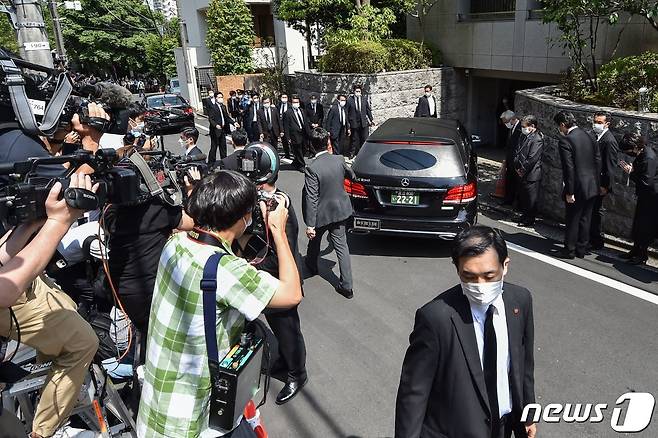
[417,177]
[174,86]
[168,113]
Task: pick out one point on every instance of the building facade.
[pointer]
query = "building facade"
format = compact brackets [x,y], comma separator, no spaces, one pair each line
[167,7]
[501,46]
[274,40]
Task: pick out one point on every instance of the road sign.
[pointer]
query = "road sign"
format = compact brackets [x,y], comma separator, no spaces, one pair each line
[36,45]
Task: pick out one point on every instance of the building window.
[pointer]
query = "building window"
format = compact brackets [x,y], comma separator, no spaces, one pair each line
[492,6]
[263,25]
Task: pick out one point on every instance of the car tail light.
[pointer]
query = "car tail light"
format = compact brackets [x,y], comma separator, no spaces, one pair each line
[189,110]
[355,189]
[461,194]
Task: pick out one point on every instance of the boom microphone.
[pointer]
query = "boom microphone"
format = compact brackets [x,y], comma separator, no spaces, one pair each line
[114,96]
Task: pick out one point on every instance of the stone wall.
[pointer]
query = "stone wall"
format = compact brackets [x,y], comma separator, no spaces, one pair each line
[392,94]
[544,104]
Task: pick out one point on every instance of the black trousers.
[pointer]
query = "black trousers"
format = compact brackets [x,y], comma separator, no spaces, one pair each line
[219,143]
[645,227]
[511,182]
[292,348]
[338,237]
[359,135]
[579,217]
[503,428]
[253,132]
[298,154]
[528,195]
[285,143]
[340,144]
[596,237]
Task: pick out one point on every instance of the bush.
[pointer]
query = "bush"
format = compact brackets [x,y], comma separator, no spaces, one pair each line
[230,37]
[620,79]
[406,55]
[354,57]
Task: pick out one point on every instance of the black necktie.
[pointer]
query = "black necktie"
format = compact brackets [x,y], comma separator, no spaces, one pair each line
[489,368]
[267,117]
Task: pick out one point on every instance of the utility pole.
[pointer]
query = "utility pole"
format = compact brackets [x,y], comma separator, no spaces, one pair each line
[31,32]
[57,27]
[183,40]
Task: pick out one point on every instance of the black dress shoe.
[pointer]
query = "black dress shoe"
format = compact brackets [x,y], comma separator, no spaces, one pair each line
[290,390]
[347,293]
[637,260]
[564,254]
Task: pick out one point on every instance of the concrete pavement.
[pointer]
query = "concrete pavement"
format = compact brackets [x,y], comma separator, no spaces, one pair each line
[593,340]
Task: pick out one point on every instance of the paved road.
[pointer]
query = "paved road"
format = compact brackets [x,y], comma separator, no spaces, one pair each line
[594,341]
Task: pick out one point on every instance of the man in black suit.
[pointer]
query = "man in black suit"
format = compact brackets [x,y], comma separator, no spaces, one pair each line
[527,164]
[296,129]
[609,150]
[338,125]
[360,117]
[251,118]
[187,141]
[469,368]
[268,123]
[326,207]
[581,167]
[239,139]
[315,112]
[233,105]
[426,104]
[220,123]
[511,122]
[282,109]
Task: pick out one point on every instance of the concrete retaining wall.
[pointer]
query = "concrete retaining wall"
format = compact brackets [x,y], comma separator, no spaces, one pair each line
[544,104]
[392,94]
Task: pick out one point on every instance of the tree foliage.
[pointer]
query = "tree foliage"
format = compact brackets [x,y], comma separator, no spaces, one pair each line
[120,36]
[7,34]
[230,36]
[646,8]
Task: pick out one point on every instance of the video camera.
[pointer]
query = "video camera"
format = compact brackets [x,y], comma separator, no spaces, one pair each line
[260,163]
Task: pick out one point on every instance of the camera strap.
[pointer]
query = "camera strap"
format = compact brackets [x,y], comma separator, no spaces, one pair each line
[209,290]
[21,104]
[152,184]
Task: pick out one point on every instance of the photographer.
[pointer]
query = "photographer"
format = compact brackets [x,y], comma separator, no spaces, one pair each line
[176,389]
[284,323]
[44,317]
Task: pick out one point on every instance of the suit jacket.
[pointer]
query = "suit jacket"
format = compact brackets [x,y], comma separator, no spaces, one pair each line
[528,157]
[233,106]
[272,128]
[332,122]
[317,116]
[324,200]
[296,133]
[282,113]
[195,151]
[644,174]
[249,113]
[609,150]
[581,164]
[359,119]
[442,391]
[423,108]
[215,119]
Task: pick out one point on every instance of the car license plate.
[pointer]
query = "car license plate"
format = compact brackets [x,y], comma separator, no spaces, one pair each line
[405,198]
[366,224]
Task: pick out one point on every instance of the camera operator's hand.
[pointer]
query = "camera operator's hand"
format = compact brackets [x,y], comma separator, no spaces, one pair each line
[72,138]
[277,218]
[89,136]
[57,209]
[193,176]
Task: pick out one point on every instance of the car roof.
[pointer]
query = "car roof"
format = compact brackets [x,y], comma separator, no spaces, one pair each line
[163,95]
[417,128]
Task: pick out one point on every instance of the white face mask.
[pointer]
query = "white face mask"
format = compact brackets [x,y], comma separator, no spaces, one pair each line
[428,93]
[314,101]
[247,223]
[482,293]
[295,105]
[357,93]
[526,131]
[219,99]
[509,125]
[342,102]
[266,104]
[560,132]
[284,100]
[598,128]
[182,143]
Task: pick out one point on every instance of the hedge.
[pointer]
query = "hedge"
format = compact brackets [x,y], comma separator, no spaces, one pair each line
[620,79]
[375,56]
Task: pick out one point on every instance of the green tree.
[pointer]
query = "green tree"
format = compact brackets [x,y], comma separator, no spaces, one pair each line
[110,36]
[7,34]
[647,8]
[230,37]
[579,22]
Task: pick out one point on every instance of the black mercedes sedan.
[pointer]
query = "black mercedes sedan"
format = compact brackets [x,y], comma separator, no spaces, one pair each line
[416,177]
[168,114]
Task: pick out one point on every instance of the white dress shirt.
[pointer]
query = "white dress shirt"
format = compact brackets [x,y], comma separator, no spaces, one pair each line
[479,313]
[598,138]
[432,104]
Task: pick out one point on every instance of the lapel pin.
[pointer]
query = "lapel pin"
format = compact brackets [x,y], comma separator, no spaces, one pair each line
[516,311]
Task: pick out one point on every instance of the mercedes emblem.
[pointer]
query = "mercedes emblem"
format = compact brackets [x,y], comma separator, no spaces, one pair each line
[405,182]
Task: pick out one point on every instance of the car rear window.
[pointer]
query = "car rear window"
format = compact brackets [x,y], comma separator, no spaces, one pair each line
[430,160]
[408,159]
[157,101]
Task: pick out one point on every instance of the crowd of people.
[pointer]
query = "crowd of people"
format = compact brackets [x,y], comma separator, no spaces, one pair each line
[289,122]
[157,253]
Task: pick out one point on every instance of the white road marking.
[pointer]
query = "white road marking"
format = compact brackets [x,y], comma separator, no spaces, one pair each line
[598,278]
[201,127]
[286,160]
